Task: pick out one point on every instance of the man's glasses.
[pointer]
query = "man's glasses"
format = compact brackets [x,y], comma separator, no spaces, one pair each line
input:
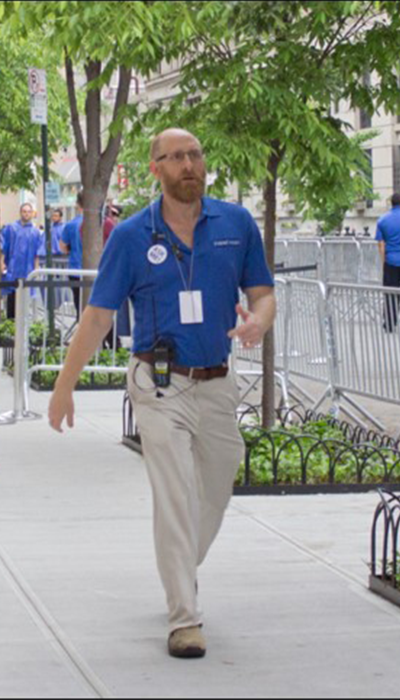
[195,155]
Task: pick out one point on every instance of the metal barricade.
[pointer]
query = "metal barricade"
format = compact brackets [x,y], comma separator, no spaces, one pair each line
[50,354]
[350,261]
[303,253]
[371,266]
[281,252]
[340,262]
[305,344]
[21,409]
[367,340]
[346,337]
[247,363]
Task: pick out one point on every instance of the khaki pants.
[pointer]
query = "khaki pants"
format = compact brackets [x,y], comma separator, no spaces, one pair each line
[192,448]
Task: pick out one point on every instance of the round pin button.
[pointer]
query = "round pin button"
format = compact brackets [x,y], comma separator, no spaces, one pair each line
[157,254]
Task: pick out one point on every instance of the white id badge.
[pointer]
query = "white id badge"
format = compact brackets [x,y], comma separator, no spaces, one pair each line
[191,307]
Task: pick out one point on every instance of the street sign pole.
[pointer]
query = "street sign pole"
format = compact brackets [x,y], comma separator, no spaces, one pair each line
[45,158]
[47,228]
[38,96]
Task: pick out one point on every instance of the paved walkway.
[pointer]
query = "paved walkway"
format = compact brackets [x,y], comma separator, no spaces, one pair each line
[287,610]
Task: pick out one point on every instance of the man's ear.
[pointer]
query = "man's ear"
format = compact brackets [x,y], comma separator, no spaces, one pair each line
[154,169]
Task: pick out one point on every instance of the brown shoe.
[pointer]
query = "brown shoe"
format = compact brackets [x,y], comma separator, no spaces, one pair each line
[187,643]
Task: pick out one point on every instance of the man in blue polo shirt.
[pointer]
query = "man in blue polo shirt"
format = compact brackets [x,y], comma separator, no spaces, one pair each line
[19,245]
[181,261]
[388,237]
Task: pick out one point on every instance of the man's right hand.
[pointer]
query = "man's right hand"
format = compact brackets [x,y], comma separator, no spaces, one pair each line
[94,326]
[61,407]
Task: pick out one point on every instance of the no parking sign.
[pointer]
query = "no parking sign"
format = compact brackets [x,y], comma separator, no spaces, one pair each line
[38,94]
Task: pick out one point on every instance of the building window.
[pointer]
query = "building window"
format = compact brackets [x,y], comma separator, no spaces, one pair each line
[396,168]
[365,118]
[369,175]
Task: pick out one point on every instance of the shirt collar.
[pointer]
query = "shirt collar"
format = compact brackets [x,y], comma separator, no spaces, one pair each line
[209,210]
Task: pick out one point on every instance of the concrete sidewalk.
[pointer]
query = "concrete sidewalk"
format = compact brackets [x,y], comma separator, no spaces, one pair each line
[287,610]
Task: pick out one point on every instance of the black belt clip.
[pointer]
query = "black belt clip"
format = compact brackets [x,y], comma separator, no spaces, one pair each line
[163,356]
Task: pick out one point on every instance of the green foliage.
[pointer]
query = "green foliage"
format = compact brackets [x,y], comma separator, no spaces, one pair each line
[318,447]
[40,332]
[20,141]
[135,156]
[46,379]
[7,331]
[259,80]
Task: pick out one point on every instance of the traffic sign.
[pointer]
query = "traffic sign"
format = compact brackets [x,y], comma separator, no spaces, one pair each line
[38,94]
[52,192]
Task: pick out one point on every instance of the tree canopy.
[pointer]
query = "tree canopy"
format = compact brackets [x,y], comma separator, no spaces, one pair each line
[94,43]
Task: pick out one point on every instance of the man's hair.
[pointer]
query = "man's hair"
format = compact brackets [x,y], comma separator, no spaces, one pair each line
[396,199]
[156,142]
[79,199]
[58,211]
[27,204]
[155,147]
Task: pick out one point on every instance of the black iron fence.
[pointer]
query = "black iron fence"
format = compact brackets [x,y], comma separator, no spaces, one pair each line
[304,453]
[308,452]
[385,547]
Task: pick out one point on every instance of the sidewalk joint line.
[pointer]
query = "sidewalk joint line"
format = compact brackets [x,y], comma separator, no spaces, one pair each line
[347,576]
[50,629]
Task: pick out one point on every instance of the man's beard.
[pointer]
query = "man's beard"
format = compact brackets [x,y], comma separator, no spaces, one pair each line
[186,190]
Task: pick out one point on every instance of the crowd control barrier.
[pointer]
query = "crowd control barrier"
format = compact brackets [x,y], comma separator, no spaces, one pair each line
[350,260]
[32,305]
[346,337]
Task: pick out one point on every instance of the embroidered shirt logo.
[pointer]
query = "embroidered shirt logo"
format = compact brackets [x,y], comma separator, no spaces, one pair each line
[227,242]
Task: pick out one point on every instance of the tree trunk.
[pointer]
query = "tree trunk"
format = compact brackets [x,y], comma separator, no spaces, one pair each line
[96,166]
[268,389]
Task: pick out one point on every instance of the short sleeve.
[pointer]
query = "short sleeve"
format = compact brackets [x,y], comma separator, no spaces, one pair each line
[379,233]
[255,270]
[66,234]
[117,274]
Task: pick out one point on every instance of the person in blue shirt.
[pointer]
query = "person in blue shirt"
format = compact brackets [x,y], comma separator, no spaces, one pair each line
[71,245]
[388,237]
[20,245]
[182,262]
[56,233]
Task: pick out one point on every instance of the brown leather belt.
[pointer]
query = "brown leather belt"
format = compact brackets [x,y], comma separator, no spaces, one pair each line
[202,373]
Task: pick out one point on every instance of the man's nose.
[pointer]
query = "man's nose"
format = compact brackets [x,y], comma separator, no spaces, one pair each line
[187,165]
[187,160]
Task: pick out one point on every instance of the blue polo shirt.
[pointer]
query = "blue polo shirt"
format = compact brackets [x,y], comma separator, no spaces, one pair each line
[388,230]
[20,244]
[71,236]
[228,255]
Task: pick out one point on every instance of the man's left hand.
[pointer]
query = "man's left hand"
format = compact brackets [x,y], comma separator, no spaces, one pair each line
[250,332]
